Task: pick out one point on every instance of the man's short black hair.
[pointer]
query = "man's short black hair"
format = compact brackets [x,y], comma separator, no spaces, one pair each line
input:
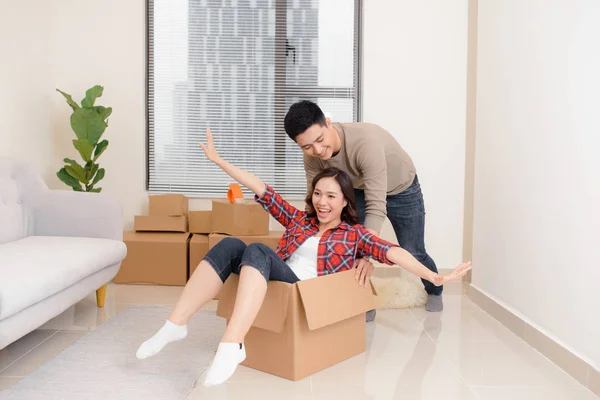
[301,116]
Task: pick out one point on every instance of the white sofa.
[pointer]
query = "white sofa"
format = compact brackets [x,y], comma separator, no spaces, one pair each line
[56,247]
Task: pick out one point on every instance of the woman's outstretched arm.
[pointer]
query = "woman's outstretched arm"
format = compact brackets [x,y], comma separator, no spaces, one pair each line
[246,178]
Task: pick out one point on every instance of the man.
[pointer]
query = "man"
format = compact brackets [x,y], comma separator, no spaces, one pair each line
[383,174]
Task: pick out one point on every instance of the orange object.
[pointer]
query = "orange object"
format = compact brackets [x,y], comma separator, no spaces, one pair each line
[234,193]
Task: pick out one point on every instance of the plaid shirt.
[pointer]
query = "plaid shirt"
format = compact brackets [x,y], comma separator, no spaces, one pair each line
[338,247]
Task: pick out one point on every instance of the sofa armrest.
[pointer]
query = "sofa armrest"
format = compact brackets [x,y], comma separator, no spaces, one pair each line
[80,214]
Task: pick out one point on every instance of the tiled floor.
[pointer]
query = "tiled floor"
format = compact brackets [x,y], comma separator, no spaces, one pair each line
[462,353]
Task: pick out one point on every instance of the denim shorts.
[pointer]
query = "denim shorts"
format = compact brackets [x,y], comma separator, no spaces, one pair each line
[230,254]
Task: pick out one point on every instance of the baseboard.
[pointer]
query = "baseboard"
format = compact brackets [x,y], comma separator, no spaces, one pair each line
[579,369]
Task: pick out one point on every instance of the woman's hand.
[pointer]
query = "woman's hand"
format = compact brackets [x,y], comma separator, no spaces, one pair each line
[245,178]
[461,270]
[209,148]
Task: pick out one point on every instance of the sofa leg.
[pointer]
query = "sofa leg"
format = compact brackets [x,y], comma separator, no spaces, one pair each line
[101,296]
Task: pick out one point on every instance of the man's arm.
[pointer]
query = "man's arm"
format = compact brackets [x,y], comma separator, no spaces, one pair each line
[311,169]
[373,168]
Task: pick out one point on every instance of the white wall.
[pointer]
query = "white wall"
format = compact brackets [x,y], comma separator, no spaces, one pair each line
[414,85]
[105,45]
[25,83]
[537,173]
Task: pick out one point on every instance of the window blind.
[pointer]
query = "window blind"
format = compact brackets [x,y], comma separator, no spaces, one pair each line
[237,66]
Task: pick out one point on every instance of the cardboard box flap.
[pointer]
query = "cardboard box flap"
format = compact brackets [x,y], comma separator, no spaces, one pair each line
[273,311]
[333,298]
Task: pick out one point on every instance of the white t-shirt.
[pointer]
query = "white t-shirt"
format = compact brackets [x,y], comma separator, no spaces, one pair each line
[304,260]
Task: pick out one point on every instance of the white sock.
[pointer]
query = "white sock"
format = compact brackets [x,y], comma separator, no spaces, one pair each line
[228,356]
[170,332]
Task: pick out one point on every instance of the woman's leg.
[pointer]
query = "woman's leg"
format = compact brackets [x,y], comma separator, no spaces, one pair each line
[259,265]
[204,284]
[250,295]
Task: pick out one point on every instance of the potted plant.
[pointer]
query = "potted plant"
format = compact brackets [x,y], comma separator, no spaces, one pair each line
[89,122]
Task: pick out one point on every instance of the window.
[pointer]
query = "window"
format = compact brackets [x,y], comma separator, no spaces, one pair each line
[237,66]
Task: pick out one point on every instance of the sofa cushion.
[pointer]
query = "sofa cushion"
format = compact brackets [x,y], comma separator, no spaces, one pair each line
[36,267]
[20,187]
[12,213]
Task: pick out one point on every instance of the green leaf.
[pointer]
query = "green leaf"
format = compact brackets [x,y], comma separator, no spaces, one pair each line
[100,149]
[93,170]
[78,189]
[87,124]
[70,100]
[84,148]
[77,172]
[69,161]
[68,179]
[91,95]
[103,111]
[98,176]
[97,190]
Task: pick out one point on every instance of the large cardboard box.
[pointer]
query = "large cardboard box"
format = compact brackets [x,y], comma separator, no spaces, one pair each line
[246,219]
[169,205]
[270,240]
[158,223]
[200,222]
[155,258]
[305,327]
[198,249]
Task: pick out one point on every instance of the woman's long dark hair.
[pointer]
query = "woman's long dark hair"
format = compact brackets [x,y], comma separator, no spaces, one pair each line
[349,213]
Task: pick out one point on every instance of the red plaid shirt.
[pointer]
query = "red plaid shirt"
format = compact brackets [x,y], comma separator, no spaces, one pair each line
[338,247]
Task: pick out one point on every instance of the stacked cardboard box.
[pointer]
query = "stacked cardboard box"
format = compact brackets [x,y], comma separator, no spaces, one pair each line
[157,250]
[167,245]
[168,213]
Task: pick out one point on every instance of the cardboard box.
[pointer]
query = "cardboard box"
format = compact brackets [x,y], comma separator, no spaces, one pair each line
[156,258]
[200,222]
[246,219]
[270,240]
[198,249]
[153,223]
[302,328]
[169,205]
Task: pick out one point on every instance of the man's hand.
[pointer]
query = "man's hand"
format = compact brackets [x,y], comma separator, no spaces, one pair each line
[364,268]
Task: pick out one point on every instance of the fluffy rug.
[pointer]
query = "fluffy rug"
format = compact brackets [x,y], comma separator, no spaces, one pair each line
[102,364]
[402,291]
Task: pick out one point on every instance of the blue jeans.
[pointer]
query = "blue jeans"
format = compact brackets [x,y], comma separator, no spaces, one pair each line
[406,212]
[230,254]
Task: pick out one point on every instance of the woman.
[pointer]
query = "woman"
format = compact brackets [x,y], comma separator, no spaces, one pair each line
[324,240]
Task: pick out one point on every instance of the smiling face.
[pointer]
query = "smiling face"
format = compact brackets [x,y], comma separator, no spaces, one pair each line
[319,141]
[328,201]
